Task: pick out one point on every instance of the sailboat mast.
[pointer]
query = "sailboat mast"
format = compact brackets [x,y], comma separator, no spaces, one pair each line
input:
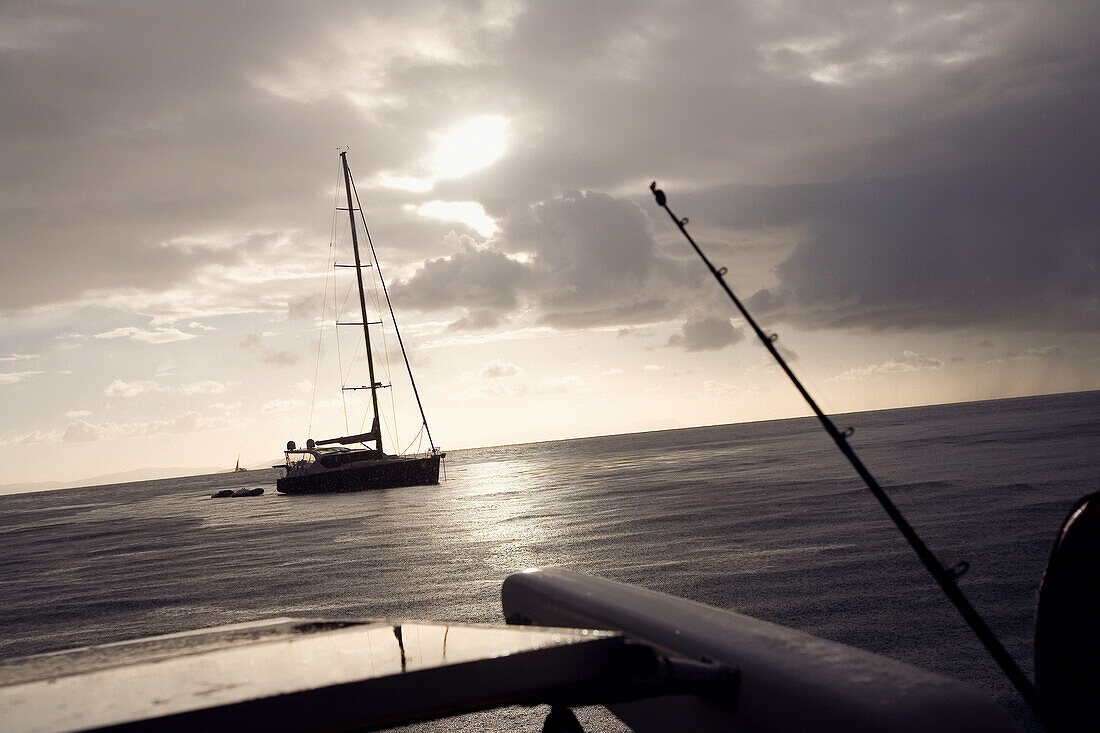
[362,299]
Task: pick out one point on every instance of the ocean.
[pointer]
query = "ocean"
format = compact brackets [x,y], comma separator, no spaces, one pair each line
[765,518]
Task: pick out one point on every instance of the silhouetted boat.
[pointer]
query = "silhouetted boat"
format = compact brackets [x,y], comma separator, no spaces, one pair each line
[330,465]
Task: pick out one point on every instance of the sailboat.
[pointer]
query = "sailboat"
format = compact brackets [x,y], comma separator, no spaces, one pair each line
[237,468]
[357,462]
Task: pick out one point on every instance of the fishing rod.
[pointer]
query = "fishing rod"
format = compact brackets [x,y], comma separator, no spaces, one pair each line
[945,577]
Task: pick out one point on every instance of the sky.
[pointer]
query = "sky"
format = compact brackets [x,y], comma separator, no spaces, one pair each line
[907,193]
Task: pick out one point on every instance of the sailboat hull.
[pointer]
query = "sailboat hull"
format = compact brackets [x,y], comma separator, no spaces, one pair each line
[386,473]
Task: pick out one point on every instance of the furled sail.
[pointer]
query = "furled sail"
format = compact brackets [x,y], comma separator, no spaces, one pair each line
[374,434]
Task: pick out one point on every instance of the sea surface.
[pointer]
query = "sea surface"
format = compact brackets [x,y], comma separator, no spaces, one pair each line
[763,518]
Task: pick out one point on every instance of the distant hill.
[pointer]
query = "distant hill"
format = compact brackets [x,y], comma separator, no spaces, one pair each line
[137,474]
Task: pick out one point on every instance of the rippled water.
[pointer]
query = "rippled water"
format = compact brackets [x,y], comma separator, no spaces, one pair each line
[762,518]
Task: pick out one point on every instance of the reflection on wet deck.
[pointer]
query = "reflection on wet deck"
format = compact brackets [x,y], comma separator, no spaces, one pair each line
[340,671]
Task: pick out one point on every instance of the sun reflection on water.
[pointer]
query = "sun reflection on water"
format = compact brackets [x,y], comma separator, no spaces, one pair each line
[504,509]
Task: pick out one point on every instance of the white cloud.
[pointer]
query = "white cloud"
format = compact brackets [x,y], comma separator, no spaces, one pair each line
[558,385]
[713,386]
[206,386]
[256,342]
[496,388]
[283,405]
[19,357]
[13,377]
[1044,352]
[80,432]
[470,213]
[498,369]
[159,336]
[910,361]
[120,388]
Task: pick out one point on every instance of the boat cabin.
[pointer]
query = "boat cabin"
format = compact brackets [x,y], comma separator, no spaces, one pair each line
[328,456]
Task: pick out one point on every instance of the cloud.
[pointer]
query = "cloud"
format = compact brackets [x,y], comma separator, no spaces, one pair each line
[1012,245]
[706,333]
[715,387]
[277,357]
[496,388]
[559,385]
[120,388]
[1042,352]
[594,261]
[473,277]
[13,377]
[283,405]
[82,431]
[498,369]
[303,307]
[581,259]
[123,214]
[459,151]
[470,213]
[910,361]
[280,358]
[1047,351]
[930,154]
[19,357]
[206,386]
[479,319]
[159,336]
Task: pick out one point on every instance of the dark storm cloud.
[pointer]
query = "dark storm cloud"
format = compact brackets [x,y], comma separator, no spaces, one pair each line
[478,320]
[595,261]
[135,125]
[706,333]
[939,158]
[480,279]
[943,160]
[976,205]
[1013,245]
[582,259]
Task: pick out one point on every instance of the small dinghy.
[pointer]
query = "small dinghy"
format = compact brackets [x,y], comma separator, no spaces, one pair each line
[230,493]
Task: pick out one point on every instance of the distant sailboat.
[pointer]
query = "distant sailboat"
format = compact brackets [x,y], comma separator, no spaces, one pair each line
[327,466]
[238,468]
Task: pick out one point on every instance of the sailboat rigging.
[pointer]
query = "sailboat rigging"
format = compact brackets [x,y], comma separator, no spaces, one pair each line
[329,465]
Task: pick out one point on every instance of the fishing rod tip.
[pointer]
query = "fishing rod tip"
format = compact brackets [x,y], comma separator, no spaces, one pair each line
[657,193]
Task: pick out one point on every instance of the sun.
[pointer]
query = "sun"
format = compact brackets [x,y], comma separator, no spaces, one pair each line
[471,146]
